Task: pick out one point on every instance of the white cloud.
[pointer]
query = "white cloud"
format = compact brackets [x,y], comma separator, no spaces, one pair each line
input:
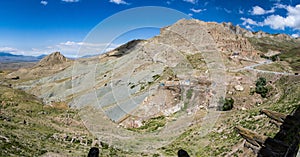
[257,10]
[292,19]
[191,1]
[295,35]
[190,14]
[16,51]
[249,27]
[275,1]
[275,22]
[84,48]
[280,6]
[197,10]
[72,43]
[241,11]
[8,49]
[248,21]
[170,2]
[68,48]
[205,4]
[223,9]
[227,10]
[70,1]
[279,22]
[44,3]
[118,1]
[69,43]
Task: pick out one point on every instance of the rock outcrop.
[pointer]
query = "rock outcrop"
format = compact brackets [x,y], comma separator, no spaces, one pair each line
[55,58]
[285,142]
[49,65]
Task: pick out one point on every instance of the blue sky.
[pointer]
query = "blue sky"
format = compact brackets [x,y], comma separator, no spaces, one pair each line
[34,27]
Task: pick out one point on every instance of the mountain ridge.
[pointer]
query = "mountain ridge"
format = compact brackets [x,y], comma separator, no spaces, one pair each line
[12,58]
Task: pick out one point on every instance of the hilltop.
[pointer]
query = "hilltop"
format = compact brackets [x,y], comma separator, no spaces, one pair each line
[47,66]
[53,59]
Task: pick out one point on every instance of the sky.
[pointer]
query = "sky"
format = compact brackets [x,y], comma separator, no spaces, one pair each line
[35,27]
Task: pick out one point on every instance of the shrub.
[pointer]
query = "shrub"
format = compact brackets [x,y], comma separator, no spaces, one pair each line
[228,104]
[132,86]
[262,90]
[104,145]
[261,82]
[252,91]
[155,77]
[261,87]
[189,93]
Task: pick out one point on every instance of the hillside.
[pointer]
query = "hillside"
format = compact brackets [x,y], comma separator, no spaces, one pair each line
[47,66]
[154,97]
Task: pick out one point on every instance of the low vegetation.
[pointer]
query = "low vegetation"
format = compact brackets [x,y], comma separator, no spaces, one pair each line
[197,61]
[289,49]
[226,104]
[156,77]
[28,128]
[292,57]
[151,125]
[189,94]
[223,138]
[261,87]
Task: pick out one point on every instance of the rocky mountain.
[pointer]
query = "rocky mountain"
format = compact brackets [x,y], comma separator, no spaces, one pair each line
[174,85]
[52,59]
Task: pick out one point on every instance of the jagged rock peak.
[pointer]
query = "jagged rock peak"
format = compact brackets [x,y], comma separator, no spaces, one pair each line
[219,27]
[234,29]
[53,59]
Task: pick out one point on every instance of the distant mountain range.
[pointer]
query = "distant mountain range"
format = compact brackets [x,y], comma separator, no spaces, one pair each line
[12,58]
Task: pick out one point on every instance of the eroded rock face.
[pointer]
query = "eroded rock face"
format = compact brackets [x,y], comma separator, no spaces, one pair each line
[121,80]
[226,37]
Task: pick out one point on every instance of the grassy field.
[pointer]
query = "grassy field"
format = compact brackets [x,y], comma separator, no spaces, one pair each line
[27,126]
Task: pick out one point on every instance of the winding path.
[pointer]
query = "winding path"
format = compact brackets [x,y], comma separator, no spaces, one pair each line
[252,67]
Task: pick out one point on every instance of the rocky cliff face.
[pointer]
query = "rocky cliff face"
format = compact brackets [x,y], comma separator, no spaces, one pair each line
[225,36]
